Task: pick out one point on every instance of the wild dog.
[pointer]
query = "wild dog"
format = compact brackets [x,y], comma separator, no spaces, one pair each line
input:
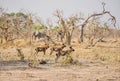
[57,49]
[63,53]
[41,49]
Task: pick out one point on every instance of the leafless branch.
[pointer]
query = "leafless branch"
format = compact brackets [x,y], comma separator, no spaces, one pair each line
[112,18]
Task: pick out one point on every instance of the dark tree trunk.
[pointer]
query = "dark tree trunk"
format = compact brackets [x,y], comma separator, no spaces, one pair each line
[82,34]
[68,38]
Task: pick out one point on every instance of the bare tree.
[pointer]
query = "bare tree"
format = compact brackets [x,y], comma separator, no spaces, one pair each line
[67,26]
[95,32]
[5,26]
[104,12]
[14,25]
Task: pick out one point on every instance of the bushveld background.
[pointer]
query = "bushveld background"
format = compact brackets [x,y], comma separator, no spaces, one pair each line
[96,44]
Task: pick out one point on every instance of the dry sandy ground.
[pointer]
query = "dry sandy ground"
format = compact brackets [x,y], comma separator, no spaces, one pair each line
[101,63]
[86,71]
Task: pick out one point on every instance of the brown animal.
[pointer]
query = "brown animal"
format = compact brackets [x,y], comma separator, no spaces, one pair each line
[63,53]
[42,49]
[57,49]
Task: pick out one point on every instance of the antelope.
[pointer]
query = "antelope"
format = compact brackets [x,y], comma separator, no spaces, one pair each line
[57,49]
[63,53]
[42,49]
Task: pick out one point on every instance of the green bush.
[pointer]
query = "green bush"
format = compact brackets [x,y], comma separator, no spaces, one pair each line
[32,63]
[68,60]
[37,27]
[56,28]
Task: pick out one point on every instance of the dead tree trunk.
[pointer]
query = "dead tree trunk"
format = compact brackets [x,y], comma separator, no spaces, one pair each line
[67,26]
[68,38]
[112,18]
[81,35]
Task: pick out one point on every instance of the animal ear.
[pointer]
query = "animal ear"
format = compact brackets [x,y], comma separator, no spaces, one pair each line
[63,44]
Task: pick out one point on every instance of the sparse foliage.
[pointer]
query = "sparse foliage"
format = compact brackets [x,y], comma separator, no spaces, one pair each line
[67,25]
[96,32]
[88,19]
[21,25]
[14,25]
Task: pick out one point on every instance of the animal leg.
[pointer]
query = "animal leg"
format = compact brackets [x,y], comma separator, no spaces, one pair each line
[44,52]
[51,52]
[57,57]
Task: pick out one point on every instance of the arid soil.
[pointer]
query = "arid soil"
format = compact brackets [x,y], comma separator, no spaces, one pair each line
[99,63]
[86,71]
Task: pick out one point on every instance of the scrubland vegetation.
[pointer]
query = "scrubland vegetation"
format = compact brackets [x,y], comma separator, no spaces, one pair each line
[96,44]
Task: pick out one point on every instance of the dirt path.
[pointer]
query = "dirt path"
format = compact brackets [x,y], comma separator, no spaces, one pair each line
[58,72]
